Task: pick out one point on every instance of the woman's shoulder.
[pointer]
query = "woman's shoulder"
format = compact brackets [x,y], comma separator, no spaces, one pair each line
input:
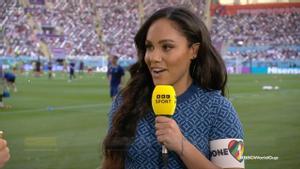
[213,99]
[214,96]
[209,95]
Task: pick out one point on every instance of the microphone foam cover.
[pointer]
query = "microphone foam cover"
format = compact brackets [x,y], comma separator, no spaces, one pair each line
[164,100]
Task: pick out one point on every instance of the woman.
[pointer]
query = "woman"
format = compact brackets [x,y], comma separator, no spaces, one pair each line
[174,48]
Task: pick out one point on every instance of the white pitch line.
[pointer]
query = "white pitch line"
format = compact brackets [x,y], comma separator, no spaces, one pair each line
[54,108]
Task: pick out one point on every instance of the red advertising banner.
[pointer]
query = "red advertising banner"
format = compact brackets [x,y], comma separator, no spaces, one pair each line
[270,8]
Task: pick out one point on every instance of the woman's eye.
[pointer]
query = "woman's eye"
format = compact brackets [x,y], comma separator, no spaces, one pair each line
[167,47]
[149,47]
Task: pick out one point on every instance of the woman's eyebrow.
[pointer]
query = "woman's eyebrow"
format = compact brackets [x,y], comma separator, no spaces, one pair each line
[165,40]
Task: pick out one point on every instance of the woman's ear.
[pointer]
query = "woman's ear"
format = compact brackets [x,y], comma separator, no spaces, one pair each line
[194,50]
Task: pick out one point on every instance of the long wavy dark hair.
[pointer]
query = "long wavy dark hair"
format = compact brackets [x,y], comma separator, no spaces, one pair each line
[207,71]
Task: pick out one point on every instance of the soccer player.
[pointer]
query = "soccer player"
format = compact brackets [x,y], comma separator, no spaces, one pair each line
[71,71]
[81,69]
[10,81]
[115,75]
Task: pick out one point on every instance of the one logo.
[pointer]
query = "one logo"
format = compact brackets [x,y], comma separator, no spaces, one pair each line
[236,149]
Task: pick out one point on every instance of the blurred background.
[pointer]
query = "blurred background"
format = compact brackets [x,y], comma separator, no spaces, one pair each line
[52,121]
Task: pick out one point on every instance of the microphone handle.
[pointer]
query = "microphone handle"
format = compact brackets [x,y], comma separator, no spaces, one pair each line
[164,151]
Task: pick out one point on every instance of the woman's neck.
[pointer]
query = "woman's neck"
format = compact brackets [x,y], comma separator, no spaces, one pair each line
[182,87]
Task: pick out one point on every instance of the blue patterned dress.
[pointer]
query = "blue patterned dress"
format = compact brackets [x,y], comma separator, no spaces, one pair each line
[202,116]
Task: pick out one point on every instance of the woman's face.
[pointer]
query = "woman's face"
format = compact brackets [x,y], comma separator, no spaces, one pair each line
[168,55]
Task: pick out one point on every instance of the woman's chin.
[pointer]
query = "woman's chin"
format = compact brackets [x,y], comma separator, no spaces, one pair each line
[156,82]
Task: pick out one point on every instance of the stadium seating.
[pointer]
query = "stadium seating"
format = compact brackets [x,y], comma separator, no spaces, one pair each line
[84,29]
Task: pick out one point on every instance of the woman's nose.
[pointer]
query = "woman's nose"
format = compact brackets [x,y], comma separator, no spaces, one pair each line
[155,56]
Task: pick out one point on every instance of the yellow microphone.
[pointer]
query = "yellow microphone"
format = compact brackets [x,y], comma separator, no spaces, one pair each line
[164,104]
[164,100]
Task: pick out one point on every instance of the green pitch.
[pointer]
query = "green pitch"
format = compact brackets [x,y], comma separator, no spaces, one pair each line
[56,124]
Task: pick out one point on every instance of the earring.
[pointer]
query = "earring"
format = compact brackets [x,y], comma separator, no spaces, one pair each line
[194,67]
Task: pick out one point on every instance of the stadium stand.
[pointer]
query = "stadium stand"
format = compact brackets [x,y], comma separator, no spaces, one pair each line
[72,26]
[267,33]
[98,28]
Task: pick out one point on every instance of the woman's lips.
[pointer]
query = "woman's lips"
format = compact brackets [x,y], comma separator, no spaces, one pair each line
[156,72]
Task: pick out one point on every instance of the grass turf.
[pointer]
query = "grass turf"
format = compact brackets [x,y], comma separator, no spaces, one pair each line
[60,124]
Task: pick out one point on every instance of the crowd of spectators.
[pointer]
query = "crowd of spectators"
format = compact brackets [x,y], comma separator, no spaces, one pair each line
[257,30]
[270,54]
[74,28]
[16,35]
[120,22]
[101,27]
[65,26]
[278,32]
[79,28]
